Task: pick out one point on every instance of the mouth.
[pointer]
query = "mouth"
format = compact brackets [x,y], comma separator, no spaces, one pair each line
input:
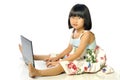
[75,25]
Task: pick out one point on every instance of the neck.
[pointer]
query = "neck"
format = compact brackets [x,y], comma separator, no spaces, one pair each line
[79,30]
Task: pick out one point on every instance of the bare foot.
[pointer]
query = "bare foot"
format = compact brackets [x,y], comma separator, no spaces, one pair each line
[20,48]
[32,71]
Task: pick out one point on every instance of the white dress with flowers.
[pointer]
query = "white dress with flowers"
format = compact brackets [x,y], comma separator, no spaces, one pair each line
[92,59]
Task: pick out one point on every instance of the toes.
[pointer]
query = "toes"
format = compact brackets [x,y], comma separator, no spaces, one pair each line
[20,48]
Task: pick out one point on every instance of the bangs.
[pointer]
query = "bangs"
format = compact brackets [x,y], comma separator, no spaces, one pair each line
[76,14]
[77,11]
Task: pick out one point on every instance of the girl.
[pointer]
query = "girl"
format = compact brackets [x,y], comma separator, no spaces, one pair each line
[86,55]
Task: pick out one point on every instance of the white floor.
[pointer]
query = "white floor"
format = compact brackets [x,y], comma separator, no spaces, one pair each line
[23,70]
[13,68]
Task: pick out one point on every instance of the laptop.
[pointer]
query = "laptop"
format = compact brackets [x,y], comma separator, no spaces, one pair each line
[27,51]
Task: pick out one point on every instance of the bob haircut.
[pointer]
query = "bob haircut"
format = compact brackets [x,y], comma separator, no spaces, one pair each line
[82,11]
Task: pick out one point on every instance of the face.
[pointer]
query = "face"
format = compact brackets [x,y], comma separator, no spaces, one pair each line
[77,22]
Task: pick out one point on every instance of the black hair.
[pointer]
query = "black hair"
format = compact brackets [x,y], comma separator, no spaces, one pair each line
[82,11]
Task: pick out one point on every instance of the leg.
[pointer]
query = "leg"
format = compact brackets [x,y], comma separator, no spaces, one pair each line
[41,57]
[46,72]
[36,57]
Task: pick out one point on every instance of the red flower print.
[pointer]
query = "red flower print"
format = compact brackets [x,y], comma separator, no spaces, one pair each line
[85,68]
[101,58]
[97,47]
[96,60]
[72,66]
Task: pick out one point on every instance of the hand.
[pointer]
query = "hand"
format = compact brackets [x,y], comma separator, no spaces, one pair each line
[52,64]
[53,59]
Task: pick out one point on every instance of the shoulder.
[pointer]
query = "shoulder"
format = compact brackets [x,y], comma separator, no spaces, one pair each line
[88,35]
[88,32]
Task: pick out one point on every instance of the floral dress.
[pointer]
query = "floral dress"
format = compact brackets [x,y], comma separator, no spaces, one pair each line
[92,59]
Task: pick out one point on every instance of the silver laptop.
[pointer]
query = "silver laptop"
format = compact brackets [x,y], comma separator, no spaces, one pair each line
[27,50]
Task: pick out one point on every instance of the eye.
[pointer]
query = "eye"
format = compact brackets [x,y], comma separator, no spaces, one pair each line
[79,17]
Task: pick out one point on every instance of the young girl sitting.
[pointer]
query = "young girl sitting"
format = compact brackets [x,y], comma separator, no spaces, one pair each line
[82,54]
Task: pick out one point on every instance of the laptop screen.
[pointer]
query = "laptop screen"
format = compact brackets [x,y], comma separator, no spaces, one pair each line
[27,51]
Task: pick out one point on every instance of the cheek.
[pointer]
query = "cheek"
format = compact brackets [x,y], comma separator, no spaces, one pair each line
[81,23]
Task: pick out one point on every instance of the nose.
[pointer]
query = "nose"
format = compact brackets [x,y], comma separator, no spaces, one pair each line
[75,20]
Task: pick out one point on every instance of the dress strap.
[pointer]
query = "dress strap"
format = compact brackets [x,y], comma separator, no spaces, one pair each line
[83,33]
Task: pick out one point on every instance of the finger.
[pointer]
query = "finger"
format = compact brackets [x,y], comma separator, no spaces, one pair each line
[49,63]
[46,59]
[20,47]
[54,60]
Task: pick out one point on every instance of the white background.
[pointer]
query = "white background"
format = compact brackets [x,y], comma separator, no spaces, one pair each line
[45,22]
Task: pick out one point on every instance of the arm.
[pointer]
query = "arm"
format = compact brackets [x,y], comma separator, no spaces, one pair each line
[85,40]
[66,51]
[61,55]
[53,61]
